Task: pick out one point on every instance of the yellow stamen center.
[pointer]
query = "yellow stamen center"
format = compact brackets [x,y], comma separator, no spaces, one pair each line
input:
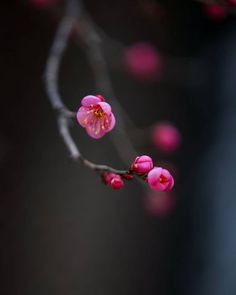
[163,179]
[99,113]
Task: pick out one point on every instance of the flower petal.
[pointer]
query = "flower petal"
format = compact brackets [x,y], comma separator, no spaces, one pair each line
[90,100]
[112,122]
[82,116]
[105,107]
[94,130]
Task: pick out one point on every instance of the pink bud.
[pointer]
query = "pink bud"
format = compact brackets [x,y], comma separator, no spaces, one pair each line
[166,137]
[215,12]
[42,4]
[114,180]
[142,165]
[160,179]
[143,61]
[117,183]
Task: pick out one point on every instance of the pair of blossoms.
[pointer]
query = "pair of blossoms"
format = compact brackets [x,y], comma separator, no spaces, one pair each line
[95,115]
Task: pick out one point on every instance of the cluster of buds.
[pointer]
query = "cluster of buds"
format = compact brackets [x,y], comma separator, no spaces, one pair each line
[96,117]
[158,178]
[116,181]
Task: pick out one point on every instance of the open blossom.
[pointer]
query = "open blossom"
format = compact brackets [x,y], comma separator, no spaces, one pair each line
[114,180]
[142,164]
[160,179]
[96,116]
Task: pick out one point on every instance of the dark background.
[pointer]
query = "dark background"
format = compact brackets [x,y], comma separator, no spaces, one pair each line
[62,232]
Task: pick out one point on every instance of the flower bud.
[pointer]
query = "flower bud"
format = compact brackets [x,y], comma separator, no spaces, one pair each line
[142,165]
[114,180]
[160,179]
[143,61]
[166,137]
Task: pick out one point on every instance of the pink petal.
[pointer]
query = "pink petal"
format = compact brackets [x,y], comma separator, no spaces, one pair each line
[112,122]
[160,187]
[171,184]
[105,107]
[82,116]
[90,100]
[94,130]
[154,175]
[166,173]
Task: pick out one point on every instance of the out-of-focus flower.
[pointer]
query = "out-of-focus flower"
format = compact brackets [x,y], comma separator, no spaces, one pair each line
[161,204]
[143,61]
[160,179]
[166,137]
[113,180]
[42,4]
[95,115]
[142,165]
[215,12]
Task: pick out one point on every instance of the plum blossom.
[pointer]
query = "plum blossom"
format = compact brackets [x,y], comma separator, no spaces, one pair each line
[114,180]
[142,165]
[143,61]
[166,137]
[160,179]
[95,115]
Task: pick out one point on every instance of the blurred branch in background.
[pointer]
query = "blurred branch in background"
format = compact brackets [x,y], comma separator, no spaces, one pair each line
[51,79]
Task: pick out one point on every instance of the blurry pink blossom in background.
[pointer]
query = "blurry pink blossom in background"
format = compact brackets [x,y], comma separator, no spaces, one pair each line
[166,137]
[160,179]
[143,61]
[43,4]
[95,115]
[142,164]
[215,12]
[160,204]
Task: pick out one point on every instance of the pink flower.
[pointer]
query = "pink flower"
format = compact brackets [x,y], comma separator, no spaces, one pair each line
[42,4]
[96,116]
[113,180]
[166,137]
[142,165]
[161,204]
[143,61]
[160,179]
[215,12]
